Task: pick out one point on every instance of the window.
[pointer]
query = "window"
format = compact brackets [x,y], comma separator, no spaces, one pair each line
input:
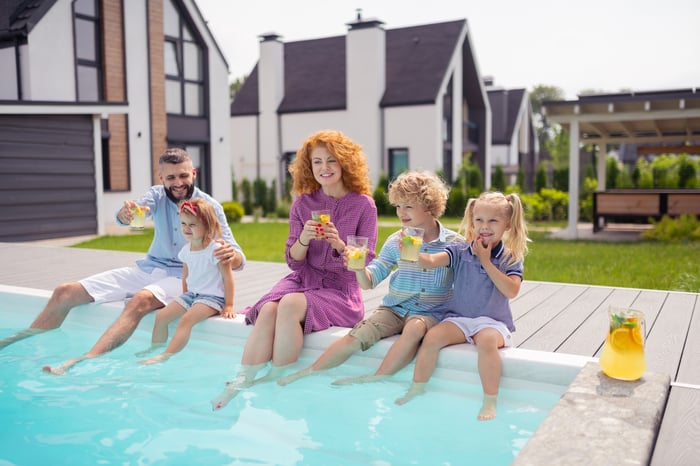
[86,25]
[398,162]
[184,70]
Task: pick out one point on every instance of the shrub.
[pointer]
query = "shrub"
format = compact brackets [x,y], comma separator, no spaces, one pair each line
[381,199]
[498,182]
[683,228]
[456,202]
[233,210]
[282,210]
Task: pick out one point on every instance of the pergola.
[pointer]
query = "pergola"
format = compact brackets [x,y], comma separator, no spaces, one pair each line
[661,121]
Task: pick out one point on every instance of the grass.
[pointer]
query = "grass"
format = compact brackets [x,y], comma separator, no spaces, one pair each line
[640,264]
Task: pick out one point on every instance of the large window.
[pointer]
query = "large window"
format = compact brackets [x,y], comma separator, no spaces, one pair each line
[86,21]
[184,70]
[398,162]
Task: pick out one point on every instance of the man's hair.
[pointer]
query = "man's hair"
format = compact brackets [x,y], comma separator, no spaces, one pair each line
[174,155]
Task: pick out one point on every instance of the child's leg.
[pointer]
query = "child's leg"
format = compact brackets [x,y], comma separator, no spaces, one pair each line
[488,341]
[163,317]
[399,355]
[440,336]
[197,313]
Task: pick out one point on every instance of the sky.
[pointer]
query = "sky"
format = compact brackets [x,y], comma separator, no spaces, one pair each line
[600,45]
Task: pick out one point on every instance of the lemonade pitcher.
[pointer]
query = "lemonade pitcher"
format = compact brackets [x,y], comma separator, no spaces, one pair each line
[623,352]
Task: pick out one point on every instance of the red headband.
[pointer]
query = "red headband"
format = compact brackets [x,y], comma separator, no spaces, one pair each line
[188,207]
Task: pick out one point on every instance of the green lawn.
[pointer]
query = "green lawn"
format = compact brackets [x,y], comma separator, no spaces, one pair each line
[643,264]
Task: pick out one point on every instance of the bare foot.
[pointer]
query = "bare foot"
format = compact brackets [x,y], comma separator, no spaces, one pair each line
[156,359]
[488,408]
[227,395]
[63,368]
[287,379]
[417,388]
[362,379]
[244,379]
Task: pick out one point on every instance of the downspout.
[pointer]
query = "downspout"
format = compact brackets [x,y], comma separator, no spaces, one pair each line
[18,69]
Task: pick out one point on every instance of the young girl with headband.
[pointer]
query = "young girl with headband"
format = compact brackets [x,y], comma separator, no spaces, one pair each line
[207,284]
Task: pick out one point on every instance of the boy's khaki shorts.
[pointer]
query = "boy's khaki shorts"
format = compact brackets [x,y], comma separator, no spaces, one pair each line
[383,323]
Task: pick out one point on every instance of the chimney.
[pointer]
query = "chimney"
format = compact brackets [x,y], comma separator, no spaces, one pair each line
[270,94]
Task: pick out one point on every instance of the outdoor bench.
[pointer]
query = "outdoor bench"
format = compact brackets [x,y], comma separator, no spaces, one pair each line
[640,205]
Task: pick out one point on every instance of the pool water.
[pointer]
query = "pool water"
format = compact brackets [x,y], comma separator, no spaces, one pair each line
[111,410]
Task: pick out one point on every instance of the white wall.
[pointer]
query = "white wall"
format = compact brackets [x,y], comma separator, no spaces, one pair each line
[418,129]
[138,97]
[49,73]
[244,147]
[219,108]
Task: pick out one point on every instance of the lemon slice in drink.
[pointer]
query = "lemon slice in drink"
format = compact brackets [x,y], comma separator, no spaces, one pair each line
[620,338]
[324,218]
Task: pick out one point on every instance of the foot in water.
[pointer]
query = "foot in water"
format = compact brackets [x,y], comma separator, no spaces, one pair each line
[63,368]
[244,379]
[488,408]
[416,389]
[362,379]
[156,359]
[286,380]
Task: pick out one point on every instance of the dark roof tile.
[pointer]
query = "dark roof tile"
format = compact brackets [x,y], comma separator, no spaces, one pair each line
[417,58]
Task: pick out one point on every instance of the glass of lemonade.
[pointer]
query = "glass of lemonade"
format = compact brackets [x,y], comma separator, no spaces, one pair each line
[623,352]
[411,242]
[138,222]
[323,216]
[357,252]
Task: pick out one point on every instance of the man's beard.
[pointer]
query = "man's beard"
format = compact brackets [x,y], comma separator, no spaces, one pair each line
[169,193]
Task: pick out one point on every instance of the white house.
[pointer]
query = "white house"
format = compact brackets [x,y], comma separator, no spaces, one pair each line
[91,93]
[514,143]
[412,97]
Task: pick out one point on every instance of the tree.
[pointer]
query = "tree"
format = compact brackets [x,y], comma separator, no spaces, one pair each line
[540,94]
[235,86]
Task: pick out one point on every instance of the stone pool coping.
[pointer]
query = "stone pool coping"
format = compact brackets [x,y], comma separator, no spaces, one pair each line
[600,421]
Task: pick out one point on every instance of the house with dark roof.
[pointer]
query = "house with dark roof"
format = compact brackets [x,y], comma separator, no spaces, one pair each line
[91,93]
[514,143]
[411,96]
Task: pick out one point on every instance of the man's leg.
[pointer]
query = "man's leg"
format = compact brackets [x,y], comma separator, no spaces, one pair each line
[62,300]
[141,304]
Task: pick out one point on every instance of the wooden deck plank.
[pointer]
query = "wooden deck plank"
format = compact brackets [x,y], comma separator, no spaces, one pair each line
[666,337]
[534,320]
[589,336]
[677,442]
[689,369]
[552,335]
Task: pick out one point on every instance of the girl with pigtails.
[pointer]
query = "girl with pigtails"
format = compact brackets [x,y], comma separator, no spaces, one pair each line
[488,272]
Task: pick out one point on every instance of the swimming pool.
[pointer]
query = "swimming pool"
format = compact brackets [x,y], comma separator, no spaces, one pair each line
[111,410]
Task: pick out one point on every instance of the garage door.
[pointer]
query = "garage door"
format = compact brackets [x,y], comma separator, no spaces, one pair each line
[48,177]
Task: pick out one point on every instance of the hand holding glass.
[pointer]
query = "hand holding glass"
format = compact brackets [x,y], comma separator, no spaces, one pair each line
[357,252]
[411,242]
[138,222]
[323,216]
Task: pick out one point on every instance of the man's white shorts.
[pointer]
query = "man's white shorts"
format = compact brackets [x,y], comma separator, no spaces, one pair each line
[120,284]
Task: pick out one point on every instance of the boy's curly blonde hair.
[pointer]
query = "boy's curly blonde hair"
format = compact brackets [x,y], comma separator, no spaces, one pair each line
[420,188]
[352,160]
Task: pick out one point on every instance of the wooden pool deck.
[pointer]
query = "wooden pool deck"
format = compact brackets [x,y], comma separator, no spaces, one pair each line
[552,317]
